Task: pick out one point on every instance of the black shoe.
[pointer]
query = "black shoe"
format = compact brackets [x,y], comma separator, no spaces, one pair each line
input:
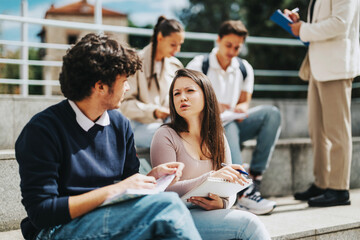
[330,198]
[313,191]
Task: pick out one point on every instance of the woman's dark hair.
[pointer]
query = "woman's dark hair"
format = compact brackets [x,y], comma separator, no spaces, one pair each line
[212,132]
[166,27]
[233,27]
[95,58]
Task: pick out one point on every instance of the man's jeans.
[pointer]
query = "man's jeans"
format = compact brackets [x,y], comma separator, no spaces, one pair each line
[143,133]
[229,224]
[263,123]
[159,216]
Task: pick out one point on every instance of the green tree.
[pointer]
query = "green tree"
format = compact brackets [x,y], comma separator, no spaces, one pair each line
[206,16]
[12,71]
[35,72]
[139,42]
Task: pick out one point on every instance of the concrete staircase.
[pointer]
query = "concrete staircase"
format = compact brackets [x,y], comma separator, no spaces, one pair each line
[293,219]
[290,170]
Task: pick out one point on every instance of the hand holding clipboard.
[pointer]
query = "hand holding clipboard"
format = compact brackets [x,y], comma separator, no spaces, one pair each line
[283,21]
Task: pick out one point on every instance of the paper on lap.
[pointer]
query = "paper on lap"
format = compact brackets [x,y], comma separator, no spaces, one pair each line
[161,184]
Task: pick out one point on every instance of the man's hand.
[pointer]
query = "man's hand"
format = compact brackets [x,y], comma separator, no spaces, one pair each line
[211,202]
[295,28]
[136,181]
[241,108]
[294,16]
[161,113]
[84,203]
[166,169]
[223,107]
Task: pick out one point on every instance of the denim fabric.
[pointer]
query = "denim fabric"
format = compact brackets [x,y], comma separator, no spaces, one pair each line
[229,224]
[160,216]
[143,133]
[262,124]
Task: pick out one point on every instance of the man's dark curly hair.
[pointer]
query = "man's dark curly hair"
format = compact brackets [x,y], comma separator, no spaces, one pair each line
[94,58]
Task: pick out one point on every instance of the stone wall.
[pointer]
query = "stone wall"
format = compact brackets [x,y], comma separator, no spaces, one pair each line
[16,111]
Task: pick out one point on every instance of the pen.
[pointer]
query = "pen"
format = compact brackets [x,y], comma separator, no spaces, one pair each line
[240,171]
[295,10]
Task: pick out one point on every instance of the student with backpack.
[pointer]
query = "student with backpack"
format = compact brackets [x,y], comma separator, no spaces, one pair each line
[233,81]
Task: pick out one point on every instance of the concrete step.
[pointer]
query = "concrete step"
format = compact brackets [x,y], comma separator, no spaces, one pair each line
[11,209]
[293,219]
[290,170]
[11,235]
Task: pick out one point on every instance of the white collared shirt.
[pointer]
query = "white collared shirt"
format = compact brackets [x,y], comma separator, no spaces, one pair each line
[227,84]
[84,122]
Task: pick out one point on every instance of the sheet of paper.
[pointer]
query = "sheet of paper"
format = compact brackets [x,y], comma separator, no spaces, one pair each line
[161,184]
[229,116]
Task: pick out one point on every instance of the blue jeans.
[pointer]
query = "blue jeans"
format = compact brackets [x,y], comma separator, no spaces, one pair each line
[160,216]
[143,133]
[263,123]
[229,224]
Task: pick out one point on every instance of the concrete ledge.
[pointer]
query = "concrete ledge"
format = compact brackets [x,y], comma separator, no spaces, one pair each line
[11,209]
[293,219]
[290,170]
[16,111]
[291,166]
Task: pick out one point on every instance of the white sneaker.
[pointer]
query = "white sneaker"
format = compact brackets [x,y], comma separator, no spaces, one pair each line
[253,202]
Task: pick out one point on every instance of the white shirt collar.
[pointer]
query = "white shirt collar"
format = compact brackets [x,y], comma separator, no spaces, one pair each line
[214,63]
[84,122]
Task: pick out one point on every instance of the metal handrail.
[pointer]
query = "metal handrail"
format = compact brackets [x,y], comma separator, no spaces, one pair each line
[141,32]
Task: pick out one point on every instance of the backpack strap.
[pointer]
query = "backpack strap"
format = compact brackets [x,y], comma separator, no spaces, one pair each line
[206,65]
[242,68]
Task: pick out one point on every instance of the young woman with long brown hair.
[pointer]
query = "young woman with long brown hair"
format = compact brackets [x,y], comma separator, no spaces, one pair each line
[195,137]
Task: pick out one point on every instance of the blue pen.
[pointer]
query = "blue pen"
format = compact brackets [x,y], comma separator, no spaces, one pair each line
[240,171]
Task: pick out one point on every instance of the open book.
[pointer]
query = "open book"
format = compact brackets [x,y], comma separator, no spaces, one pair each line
[283,21]
[161,184]
[218,186]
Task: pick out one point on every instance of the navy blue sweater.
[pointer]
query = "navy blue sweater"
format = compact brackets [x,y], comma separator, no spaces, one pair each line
[58,159]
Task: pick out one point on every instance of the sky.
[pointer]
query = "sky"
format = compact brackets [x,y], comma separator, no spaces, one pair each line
[141,12]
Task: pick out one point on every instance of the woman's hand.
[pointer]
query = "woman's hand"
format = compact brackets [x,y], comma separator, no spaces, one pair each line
[211,202]
[231,174]
[167,169]
[162,113]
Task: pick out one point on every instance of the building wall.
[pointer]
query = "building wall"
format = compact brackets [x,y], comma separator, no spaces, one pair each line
[60,36]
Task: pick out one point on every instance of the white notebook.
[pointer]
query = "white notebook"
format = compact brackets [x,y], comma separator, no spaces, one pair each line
[218,186]
[161,184]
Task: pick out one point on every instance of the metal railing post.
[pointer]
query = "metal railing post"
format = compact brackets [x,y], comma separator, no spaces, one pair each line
[98,14]
[24,68]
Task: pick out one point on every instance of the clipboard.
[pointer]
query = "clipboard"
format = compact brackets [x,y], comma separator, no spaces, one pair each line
[218,186]
[283,21]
